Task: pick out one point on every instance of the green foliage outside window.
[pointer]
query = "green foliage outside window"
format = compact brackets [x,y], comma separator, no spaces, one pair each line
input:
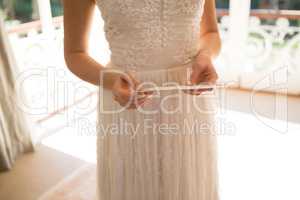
[56,8]
[26,10]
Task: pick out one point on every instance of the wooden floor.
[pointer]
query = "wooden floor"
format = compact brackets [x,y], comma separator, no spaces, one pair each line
[34,173]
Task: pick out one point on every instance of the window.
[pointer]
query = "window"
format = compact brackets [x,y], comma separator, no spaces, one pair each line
[56,8]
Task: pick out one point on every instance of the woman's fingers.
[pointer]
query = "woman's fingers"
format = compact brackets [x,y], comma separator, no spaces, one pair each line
[211,77]
[128,97]
[130,80]
[140,99]
[207,76]
[136,103]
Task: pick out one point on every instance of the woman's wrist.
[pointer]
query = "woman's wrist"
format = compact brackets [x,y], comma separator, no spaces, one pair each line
[108,78]
[205,52]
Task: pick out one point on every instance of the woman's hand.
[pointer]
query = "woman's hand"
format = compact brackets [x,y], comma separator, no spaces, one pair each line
[203,72]
[126,93]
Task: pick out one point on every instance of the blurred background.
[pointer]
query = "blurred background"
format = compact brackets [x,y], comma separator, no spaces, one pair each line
[259,65]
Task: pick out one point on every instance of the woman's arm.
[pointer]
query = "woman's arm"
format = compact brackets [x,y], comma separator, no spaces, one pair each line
[78,16]
[210,41]
[210,45]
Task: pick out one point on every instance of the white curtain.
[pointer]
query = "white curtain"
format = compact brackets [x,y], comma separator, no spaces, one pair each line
[15,135]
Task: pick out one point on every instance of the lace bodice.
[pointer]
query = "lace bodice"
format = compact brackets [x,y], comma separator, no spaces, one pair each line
[150,34]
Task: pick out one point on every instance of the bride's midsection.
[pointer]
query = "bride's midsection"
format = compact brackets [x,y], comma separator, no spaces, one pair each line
[158,76]
[144,57]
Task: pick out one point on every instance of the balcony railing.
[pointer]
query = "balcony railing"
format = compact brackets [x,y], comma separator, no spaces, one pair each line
[34,26]
[270,50]
[267,14]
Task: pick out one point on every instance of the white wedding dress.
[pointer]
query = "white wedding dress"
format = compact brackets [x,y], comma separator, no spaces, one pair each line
[167,151]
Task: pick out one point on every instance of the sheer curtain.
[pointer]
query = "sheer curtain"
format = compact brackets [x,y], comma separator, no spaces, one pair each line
[15,135]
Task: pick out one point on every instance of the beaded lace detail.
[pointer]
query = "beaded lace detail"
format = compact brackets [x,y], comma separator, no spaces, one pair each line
[151,33]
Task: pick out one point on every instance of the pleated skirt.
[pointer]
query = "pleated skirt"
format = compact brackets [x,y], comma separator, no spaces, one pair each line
[166,150]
